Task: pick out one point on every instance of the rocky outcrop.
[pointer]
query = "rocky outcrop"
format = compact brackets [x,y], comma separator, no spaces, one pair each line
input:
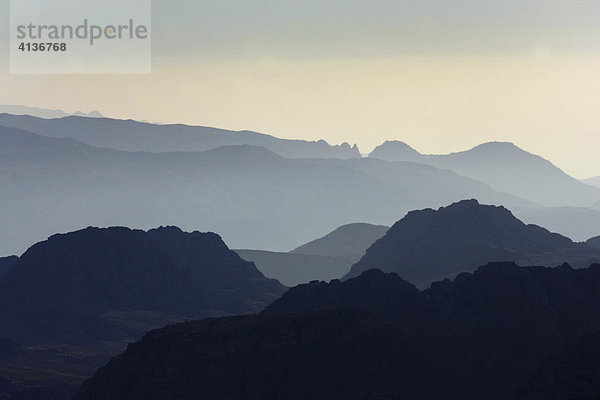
[375,335]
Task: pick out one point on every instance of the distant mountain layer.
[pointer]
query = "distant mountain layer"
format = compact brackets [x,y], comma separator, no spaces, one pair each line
[114,284]
[44,113]
[294,269]
[128,135]
[506,168]
[595,241]
[251,196]
[368,337]
[350,240]
[593,181]
[578,223]
[6,263]
[430,245]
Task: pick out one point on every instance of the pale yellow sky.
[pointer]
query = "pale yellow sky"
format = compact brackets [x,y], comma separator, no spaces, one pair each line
[538,87]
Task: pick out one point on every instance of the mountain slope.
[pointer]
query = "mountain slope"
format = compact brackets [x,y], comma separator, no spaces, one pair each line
[429,245]
[506,168]
[128,135]
[115,283]
[346,241]
[592,181]
[577,223]
[595,241]
[294,269]
[6,263]
[474,338]
[43,113]
[251,196]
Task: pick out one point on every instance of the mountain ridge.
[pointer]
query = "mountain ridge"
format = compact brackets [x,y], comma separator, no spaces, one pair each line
[462,236]
[475,337]
[130,135]
[507,168]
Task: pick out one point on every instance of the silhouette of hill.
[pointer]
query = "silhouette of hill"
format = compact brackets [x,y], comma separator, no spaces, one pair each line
[43,113]
[254,198]
[294,269]
[6,263]
[573,374]
[351,240]
[371,336]
[430,245]
[394,150]
[116,283]
[594,242]
[129,135]
[506,168]
[592,181]
[577,223]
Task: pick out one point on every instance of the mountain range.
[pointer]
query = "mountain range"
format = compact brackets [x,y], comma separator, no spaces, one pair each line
[323,259]
[254,198]
[294,269]
[506,168]
[430,245]
[44,113]
[129,135]
[374,336]
[593,181]
[73,301]
[116,283]
[351,240]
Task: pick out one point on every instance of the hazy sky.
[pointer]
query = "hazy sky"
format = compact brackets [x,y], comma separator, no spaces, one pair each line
[440,75]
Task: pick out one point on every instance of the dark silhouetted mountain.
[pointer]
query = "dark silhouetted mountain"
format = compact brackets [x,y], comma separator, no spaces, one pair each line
[294,269]
[571,375]
[506,168]
[592,181]
[6,263]
[430,245]
[254,198]
[8,348]
[577,223]
[116,283]
[44,113]
[129,135]
[350,241]
[594,242]
[374,335]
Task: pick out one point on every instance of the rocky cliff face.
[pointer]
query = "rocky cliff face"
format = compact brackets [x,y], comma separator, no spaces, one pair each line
[374,336]
[430,245]
[115,283]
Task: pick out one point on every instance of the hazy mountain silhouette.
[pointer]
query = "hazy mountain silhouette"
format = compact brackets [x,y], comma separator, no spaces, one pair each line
[573,374]
[6,263]
[254,198]
[429,245]
[578,223]
[506,168]
[394,150]
[592,181]
[595,241]
[43,113]
[351,240]
[293,269]
[474,338]
[129,135]
[116,283]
